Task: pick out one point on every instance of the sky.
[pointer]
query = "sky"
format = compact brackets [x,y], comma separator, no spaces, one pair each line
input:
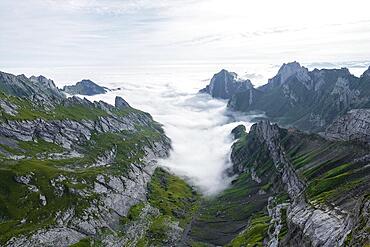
[161,52]
[56,33]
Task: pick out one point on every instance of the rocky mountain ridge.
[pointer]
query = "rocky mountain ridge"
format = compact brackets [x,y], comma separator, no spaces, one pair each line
[308,100]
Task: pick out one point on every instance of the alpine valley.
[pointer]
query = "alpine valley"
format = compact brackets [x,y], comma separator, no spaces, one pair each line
[79,173]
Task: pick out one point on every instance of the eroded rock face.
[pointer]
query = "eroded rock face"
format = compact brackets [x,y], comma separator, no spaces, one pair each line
[69,132]
[354,125]
[225,84]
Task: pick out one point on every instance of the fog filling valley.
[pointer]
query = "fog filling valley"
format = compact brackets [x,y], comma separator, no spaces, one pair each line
[198,125]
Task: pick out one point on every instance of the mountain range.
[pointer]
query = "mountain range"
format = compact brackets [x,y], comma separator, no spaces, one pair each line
[80,173]
[308,100]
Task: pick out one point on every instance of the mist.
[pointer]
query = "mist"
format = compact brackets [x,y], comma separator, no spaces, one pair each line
[198,125]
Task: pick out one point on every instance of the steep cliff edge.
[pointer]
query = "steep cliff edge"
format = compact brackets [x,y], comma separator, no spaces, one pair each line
[290,189]
[327,183]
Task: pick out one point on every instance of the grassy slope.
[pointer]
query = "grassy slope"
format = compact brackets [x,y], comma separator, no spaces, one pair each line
[175,199]
[328,168]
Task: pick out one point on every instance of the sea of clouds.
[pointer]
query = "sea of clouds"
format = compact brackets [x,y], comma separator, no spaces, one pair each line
[198,125]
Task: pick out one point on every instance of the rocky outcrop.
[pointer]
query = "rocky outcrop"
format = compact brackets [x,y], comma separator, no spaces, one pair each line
[8,107]
[120,103]
[238,131]
[68,133]
[275,212]
[225,84]
[85,87]
[354,125]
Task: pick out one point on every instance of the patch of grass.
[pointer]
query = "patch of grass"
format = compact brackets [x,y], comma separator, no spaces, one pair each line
[284,223]
[133,214]
[86,242]
[254,234]
[158,228]
[172,196]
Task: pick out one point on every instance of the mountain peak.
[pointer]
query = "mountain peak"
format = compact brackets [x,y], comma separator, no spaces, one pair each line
[225,84]
[85,87]
[289,69]
[286,71]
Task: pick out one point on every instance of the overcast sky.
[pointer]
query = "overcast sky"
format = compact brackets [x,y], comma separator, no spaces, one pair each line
[112,32]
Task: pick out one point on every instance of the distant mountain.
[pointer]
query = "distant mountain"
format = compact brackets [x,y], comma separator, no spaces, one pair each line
[85,87]
[309,100]
[225,84]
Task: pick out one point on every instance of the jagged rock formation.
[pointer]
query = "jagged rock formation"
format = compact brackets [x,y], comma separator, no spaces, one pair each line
[85,87]
[225,84]
[309,100]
